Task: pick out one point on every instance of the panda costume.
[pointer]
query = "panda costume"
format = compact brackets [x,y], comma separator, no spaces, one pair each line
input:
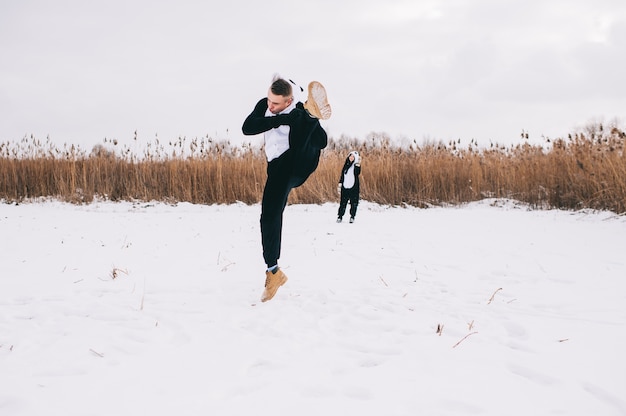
[348,186]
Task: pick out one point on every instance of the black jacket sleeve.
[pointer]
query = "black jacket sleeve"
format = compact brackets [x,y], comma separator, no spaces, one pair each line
[257,122]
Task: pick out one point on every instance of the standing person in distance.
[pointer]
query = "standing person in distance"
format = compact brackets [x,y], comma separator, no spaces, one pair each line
[348,187]
[293,142]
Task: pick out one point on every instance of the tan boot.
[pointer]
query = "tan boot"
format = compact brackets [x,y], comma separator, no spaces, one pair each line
[317,101]
[272,282]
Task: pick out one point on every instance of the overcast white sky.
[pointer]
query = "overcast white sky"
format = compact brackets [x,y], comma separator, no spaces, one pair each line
[80,71]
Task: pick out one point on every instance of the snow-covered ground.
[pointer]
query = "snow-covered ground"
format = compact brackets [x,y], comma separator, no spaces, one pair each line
[153,309]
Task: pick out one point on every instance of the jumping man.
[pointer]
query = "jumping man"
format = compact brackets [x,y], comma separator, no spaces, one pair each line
[293,142]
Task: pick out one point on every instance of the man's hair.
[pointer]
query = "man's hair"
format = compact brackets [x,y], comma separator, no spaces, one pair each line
[281,87]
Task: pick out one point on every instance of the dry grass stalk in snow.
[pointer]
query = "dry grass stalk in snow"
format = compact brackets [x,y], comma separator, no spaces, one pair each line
[462,339]
[494,294]
[116,271]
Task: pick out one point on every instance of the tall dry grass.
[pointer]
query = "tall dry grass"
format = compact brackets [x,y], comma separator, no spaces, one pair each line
[585,170]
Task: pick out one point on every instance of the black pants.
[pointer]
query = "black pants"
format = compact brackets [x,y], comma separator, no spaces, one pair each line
[280,181]
[351,195]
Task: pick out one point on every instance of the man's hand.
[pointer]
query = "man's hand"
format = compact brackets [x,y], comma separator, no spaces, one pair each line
[280,120]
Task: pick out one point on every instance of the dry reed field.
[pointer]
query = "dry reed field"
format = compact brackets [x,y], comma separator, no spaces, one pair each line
[585,170]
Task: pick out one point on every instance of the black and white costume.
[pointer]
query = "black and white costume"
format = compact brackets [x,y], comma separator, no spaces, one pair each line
[349,187]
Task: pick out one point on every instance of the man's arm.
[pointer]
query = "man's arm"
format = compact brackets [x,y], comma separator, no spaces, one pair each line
[257,122]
